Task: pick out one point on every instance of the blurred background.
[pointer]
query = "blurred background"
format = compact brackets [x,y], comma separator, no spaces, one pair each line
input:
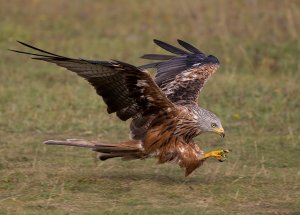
[255,93]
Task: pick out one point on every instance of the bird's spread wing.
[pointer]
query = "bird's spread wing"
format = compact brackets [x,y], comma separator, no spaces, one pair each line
[181,76]
[125,89]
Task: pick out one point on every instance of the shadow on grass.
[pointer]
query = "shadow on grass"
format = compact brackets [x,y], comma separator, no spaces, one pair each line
[159,178]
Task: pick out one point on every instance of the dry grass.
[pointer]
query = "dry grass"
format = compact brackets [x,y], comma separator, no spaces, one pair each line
[255,93]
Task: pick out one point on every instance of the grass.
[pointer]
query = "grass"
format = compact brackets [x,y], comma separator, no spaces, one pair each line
[255,93]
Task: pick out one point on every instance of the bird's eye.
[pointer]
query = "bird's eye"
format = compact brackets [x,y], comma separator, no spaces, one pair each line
[213,125]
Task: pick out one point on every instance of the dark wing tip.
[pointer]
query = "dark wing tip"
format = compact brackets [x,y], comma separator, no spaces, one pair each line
[189,47]
[170,48]
[35,48]
[157,57]
[28,53]
[25,44]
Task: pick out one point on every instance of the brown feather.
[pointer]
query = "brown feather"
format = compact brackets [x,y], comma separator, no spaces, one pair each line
[161,126]
[125,88]
[185,88]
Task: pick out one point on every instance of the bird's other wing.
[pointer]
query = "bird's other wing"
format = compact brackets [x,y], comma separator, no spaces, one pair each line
[181,76]
[125,89]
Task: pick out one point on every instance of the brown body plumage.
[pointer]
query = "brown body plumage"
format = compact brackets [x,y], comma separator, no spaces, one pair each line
[165,115]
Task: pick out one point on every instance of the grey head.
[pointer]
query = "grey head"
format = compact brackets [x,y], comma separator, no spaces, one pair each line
[209,122]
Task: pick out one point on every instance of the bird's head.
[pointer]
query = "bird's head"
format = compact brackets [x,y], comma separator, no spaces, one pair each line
[209,122]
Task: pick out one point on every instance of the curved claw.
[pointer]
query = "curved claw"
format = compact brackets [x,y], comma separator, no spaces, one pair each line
[222,159]
[220,155]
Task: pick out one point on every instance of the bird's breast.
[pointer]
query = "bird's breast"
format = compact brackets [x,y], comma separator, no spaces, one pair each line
[165,129]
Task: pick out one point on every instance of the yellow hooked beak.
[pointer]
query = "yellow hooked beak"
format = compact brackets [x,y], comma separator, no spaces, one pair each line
[220,131]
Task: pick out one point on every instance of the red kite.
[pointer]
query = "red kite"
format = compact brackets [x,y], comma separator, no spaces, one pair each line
[164,112]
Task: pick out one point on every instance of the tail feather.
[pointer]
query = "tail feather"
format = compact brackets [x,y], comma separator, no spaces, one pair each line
[71,142]
[127,150]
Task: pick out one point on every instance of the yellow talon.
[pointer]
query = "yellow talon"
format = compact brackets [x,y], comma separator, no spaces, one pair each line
[218,154]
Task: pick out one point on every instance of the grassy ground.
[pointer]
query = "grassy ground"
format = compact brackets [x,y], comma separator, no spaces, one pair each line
[255,93]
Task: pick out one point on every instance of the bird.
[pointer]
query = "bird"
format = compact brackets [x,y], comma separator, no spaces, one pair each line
[164,111]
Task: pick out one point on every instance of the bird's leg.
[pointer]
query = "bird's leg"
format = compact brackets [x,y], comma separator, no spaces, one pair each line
[220,155]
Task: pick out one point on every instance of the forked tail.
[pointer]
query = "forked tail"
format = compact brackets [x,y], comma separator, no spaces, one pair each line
[127,150]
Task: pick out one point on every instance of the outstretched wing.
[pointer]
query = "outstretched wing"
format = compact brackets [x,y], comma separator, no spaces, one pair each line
[125,89]
[181,76]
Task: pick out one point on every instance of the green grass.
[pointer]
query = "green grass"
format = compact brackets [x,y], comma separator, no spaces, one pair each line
[255,93]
